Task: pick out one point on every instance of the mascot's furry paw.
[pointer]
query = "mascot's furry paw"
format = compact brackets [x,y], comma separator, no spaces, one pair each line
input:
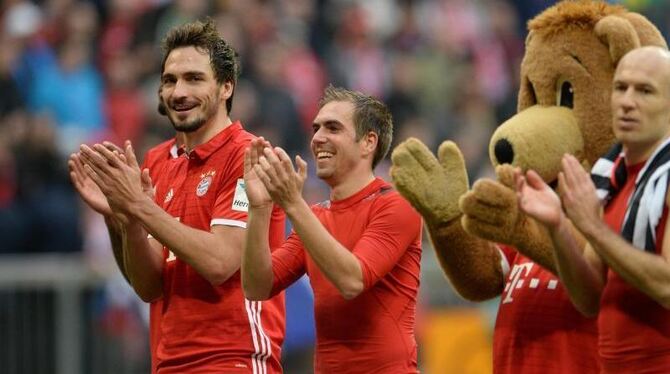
[432,185]
[491,211]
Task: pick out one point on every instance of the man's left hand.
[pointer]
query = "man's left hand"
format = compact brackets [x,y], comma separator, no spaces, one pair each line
[281,179]
[578,194]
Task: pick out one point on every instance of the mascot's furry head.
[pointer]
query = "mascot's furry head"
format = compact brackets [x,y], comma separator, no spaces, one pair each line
[572,50]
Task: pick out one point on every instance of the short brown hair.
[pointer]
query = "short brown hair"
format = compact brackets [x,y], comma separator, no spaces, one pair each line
[204,37]
[370,114]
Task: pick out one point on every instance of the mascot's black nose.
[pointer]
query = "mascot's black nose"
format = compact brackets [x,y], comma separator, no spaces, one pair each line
[503,151]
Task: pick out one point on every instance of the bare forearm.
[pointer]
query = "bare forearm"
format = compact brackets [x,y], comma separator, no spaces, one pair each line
[471,264]
[116,234]
[336,262]
[216,260]
[647,272]
[257,276]
[583,282]
[143,262]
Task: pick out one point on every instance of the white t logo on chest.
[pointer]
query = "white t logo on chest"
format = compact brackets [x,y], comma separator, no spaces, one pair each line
[517,279]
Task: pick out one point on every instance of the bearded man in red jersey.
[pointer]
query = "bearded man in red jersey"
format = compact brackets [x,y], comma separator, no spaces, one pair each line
[183,248]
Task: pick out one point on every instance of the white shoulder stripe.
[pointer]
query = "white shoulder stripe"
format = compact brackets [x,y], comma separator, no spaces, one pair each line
[228,222]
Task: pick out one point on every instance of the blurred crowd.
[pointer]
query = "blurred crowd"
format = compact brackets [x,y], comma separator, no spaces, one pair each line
[82,71]
[75,71]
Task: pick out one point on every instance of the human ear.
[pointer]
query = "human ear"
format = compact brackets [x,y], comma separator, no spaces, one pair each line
[226,91]
[370,141]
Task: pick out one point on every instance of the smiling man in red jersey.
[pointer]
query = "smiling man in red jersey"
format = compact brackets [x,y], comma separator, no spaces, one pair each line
[183,246]
[361,249]
[623,273]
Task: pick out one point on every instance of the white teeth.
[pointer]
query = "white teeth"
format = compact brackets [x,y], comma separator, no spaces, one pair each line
[323,154]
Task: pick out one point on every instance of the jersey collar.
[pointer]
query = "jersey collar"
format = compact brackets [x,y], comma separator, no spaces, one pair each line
[367,191]
[203,151]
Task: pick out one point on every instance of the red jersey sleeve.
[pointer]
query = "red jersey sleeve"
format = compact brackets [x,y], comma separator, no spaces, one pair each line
[156,158]
[277,227]
[393,226]
[231,204]
[288,263]
[507,256]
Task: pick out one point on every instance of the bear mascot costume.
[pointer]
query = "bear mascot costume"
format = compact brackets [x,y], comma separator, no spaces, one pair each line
[486,246]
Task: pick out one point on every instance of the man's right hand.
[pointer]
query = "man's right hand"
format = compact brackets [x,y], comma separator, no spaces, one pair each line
[538,200]
[87,189]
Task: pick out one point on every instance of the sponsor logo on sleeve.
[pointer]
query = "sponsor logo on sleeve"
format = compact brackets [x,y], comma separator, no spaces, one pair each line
[240,201]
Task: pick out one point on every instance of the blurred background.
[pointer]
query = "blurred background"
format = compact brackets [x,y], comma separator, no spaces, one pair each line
[74,71]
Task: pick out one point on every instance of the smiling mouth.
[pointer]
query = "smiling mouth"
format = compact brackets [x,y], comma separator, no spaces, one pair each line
[323,155]
[183,107]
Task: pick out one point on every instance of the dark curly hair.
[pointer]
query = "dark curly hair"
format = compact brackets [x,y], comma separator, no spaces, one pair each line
[204,37]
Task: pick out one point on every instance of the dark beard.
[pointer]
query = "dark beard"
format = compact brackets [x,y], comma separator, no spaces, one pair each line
[196,123]
[189,126]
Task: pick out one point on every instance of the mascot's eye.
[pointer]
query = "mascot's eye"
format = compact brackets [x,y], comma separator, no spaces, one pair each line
[566,96]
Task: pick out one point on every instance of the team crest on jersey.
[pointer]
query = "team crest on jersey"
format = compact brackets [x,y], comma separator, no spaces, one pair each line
[205,182]
[168,196]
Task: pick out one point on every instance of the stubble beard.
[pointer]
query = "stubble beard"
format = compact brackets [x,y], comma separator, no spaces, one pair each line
[190,126]
[193,125]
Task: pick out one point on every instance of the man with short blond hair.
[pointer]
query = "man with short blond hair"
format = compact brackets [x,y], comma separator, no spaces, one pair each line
[361,249]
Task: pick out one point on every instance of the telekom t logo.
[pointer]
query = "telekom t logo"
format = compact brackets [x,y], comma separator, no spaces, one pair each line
[516,279]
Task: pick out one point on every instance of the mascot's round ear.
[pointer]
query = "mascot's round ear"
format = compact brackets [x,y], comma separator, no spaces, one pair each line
[618,34]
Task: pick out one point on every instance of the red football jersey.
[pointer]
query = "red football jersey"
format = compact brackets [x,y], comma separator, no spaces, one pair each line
[155,160]
[634,329]
[205,328]
[374,332]
[538,330]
